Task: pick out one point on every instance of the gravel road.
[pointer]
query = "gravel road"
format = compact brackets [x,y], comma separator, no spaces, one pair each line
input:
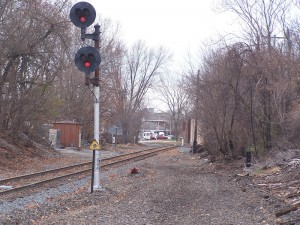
[171,188]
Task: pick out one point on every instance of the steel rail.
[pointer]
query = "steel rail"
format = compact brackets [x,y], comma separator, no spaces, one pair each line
[38,183]
[30,175]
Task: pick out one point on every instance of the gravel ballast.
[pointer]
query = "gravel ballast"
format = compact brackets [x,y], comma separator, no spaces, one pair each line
[170,188]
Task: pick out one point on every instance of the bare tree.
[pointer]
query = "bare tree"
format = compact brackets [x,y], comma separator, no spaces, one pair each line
[262,21]
[221,98]
[172,93]
[113,50]
[249,89]
[141,67]
[34,47]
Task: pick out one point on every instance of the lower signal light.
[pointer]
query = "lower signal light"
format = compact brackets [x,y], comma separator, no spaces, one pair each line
[87,64]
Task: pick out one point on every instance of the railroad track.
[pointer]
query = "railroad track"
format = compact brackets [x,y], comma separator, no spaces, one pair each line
[25,182]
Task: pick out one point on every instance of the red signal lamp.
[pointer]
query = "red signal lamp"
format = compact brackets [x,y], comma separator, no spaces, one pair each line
[87,64]
[82,19]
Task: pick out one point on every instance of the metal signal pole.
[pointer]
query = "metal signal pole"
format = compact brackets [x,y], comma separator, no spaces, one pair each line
[96,182]
[87,60]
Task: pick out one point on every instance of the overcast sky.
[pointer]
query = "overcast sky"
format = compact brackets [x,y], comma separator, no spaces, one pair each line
[179,25]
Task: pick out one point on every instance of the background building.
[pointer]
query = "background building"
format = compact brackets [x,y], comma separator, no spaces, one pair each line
[156,122]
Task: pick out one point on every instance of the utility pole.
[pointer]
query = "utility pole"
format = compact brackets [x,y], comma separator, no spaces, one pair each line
[196,113]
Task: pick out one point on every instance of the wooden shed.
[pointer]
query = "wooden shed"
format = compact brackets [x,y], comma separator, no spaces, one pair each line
[70,133]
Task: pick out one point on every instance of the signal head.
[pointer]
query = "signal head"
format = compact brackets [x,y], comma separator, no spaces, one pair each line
[82,14]
[87,59]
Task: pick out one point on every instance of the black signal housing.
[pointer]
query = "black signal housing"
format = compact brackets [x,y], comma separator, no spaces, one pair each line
[87,59]
[82,14]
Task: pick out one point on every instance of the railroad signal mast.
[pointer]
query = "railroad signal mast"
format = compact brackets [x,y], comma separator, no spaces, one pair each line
[87,60]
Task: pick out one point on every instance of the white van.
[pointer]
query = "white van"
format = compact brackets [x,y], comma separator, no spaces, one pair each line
[146,135]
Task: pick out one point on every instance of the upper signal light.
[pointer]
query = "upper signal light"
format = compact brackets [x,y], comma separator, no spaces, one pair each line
[82,14]
[82,19]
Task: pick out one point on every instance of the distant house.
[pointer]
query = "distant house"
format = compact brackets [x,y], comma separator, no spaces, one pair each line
[156,122]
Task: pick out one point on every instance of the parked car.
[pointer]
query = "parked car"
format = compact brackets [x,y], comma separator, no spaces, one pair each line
[153,136]
[146,136]
[161,137]
[171,136]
